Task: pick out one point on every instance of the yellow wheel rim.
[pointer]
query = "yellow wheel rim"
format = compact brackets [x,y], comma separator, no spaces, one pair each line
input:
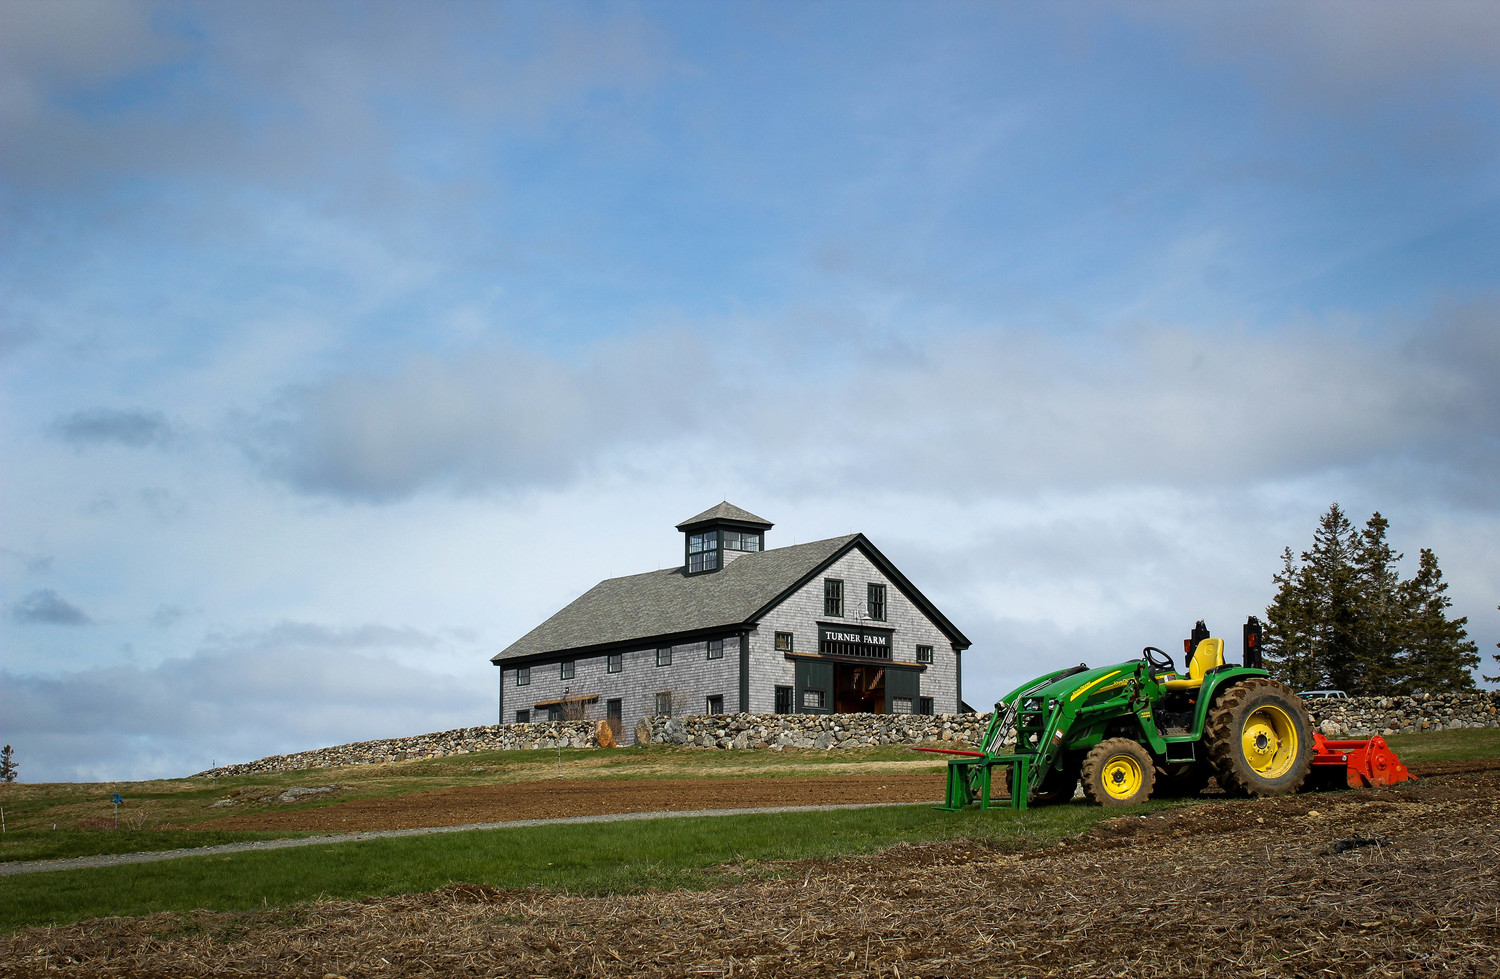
[1122,777]
[1269,740]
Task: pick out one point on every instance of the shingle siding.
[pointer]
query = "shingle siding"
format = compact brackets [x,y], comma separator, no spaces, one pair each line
[691,679]
[801,612]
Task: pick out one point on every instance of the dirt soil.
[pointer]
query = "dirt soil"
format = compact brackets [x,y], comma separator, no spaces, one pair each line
[1292,887]
[556,798]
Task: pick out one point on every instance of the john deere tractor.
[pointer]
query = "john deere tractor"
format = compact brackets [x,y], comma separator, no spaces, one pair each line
[1142,729]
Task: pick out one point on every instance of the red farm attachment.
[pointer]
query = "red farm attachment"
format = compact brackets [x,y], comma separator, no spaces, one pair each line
[1365,763]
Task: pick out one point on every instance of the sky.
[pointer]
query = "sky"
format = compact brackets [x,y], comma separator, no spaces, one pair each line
[342,344]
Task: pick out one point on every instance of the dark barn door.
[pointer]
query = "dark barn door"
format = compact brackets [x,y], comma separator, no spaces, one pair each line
[902,689]
[814,687]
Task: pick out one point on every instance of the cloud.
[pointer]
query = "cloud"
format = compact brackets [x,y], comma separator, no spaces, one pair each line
[290,687]
[46,607]
[1345,48]
[98,426]
[33,563]
[502,419]
[166,616]
[996,407]
[278,92]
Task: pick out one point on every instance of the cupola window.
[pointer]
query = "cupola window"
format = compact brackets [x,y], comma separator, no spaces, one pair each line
[741,540]
[703,551]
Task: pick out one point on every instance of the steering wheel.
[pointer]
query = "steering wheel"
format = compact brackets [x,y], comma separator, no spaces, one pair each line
[1163,664]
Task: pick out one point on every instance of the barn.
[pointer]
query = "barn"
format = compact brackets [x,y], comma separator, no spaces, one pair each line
[830,626]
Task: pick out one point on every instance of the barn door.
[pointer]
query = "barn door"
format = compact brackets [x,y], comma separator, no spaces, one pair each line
[814,687]
[902,688]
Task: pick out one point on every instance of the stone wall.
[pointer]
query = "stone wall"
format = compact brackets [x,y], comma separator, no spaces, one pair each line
[493,737]
[1362,717]
[820,731]
[1356,717]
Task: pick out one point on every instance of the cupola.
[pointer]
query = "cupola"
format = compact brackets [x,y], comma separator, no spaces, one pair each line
[718,535]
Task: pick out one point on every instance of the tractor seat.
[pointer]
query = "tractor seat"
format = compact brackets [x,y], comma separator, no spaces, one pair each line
[1209,656]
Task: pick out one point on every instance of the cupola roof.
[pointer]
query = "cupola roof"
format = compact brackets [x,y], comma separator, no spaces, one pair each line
[726,511]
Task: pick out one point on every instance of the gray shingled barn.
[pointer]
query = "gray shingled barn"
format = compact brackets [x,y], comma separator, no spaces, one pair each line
[826,627]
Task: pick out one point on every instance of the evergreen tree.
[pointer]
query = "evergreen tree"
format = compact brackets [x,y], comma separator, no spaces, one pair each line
[1437,654]
[8,764]
[1287,641]
[1343,617]
[1378,623]
[1332,600]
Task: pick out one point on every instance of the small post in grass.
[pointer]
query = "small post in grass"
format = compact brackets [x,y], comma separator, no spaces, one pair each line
[117,799]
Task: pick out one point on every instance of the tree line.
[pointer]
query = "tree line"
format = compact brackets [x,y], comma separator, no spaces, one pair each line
[1343,618]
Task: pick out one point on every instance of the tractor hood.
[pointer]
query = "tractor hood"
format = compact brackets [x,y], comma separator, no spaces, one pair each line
[1086,684]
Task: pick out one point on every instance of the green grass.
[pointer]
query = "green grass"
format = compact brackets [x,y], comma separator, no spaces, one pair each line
[32,810]
[624,857]
[621,857]
[1479,742]
[46,844]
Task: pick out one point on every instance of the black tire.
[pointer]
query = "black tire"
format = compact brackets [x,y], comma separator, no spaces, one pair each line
[1185,781]
[1118,772]
[1058,785]
[1259,739]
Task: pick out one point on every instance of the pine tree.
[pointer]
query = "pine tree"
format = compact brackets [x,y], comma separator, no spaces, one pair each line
[1378,624]
[8,764]
[1287,641]
[1343,617]
[1437,653]
[1333,601]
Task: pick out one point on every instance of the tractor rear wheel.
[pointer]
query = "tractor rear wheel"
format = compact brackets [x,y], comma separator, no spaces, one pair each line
[1118,772]
[1259,738]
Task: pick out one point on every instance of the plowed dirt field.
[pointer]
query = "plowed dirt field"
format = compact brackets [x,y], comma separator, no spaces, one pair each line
[1397,882]
[563,797]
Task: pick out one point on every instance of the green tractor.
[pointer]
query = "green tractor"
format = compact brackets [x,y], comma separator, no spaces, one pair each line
[1140,729]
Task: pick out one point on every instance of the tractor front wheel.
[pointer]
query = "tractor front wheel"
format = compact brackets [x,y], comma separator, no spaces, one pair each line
[1259,738]
[1118,772]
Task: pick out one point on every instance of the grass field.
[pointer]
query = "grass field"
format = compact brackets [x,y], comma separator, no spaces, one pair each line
[626,857]
[42,819]
[629,857]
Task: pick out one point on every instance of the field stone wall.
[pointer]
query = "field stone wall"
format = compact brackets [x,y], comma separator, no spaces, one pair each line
[818,731]
[1362,717]
[461,741]
[1356,717]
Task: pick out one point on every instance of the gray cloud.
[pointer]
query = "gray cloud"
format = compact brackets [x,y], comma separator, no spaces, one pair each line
[95,426]
[1344,48]
[290,687]
[499,420]
[166,616]
[985,408]
[33,563]
[329,82]
[47,607]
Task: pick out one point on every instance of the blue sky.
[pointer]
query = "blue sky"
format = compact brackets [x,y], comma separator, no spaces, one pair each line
[340,344]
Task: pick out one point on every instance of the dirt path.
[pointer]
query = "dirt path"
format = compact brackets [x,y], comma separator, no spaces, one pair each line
[1277,888]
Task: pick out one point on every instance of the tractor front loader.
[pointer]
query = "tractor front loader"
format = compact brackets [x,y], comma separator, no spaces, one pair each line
[1140,729]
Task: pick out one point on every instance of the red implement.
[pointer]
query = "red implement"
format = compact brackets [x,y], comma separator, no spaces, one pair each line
[1366,763]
